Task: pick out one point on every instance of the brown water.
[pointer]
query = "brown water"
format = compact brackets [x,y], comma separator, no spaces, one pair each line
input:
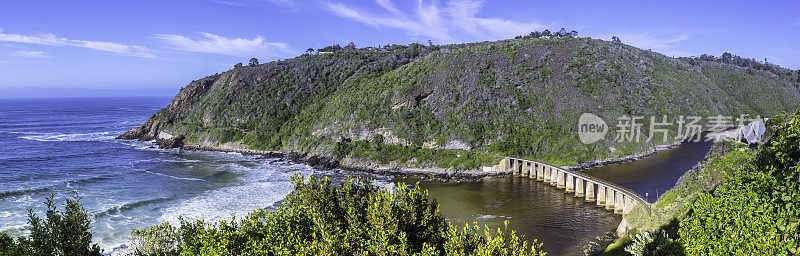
[564,224]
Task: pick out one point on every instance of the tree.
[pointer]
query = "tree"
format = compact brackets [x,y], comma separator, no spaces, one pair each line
[546,32]
[238,65]
[60,233]
[253,62]
[707,57]
[573,33]
[562,32]
[726,57]
[350,46]
[309,50]
[321,217]
[616,40]
[331,48]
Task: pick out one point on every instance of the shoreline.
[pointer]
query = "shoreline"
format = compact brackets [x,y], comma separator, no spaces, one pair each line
[440,174]
[628,158]
[323,162]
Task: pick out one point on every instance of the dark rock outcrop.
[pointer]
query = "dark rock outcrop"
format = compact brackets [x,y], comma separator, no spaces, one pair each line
[172,142]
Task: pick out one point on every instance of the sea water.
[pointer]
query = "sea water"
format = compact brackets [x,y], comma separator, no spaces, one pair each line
[66,147]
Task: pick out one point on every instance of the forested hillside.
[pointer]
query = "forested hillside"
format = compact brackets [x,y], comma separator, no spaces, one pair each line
[458,106]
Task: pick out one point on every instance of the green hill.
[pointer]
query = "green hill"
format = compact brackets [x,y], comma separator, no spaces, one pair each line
[458,106]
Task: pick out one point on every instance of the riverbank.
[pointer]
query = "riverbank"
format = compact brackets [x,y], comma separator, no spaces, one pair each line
[624,159]
[675,204]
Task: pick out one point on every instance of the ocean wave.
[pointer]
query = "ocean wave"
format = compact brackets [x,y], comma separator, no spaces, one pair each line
[89,180]
[10,193]
[270,188]
[128,206]
[93,136]
[27,133]
[169,176]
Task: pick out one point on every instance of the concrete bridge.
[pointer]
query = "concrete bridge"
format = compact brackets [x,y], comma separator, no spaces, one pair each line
[606,194]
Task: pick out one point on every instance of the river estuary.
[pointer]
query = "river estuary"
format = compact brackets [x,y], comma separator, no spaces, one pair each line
[63,146]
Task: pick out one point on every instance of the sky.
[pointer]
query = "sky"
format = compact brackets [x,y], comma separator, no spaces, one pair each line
[148,48]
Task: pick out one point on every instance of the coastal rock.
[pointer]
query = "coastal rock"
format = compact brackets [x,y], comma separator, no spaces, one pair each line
[166,140]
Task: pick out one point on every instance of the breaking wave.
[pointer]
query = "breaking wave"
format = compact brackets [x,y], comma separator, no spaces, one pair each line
[93,136]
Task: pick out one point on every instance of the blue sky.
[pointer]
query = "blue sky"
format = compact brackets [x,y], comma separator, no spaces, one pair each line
[104,48]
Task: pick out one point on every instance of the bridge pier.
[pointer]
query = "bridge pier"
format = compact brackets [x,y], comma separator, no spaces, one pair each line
[619,203]
[547,173]
[610,199]
[579,190]
[589,192]
[601,195]
[559,179]
[570,183]
[513,166]
[539,172]
[553,176]
[522,166]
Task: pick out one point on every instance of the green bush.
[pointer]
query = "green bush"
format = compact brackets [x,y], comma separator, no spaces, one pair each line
[756,213]
[60,233]
[319,218]
[652,244]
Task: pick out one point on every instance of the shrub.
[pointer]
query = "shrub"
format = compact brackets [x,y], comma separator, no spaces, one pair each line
[319,218]
[653,243]
[60,233]
[756,212]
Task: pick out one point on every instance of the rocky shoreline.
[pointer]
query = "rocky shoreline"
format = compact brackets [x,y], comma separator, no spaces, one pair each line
[165,140]
[324,162]
[628,158]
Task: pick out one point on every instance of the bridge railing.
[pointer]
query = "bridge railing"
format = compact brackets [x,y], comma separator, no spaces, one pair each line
[613,186]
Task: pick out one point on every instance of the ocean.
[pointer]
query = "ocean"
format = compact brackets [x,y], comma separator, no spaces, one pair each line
[66,146]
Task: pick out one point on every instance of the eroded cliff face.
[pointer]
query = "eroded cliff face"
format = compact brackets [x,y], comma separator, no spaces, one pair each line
[513,97]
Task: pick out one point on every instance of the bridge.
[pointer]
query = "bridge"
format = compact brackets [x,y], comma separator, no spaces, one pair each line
[606,194]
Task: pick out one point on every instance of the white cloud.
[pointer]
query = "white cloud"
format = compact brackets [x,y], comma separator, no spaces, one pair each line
[389,6]
[33,54]
[456,21]
[215,44]
[51,39]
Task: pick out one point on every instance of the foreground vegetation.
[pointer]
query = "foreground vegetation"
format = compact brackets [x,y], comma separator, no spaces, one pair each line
[318,218]
[64,233]
[738,202]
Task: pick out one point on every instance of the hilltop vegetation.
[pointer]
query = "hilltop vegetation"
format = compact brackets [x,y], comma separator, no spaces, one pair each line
[458,106]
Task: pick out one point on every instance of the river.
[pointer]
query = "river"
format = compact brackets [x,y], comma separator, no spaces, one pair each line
[564,224]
